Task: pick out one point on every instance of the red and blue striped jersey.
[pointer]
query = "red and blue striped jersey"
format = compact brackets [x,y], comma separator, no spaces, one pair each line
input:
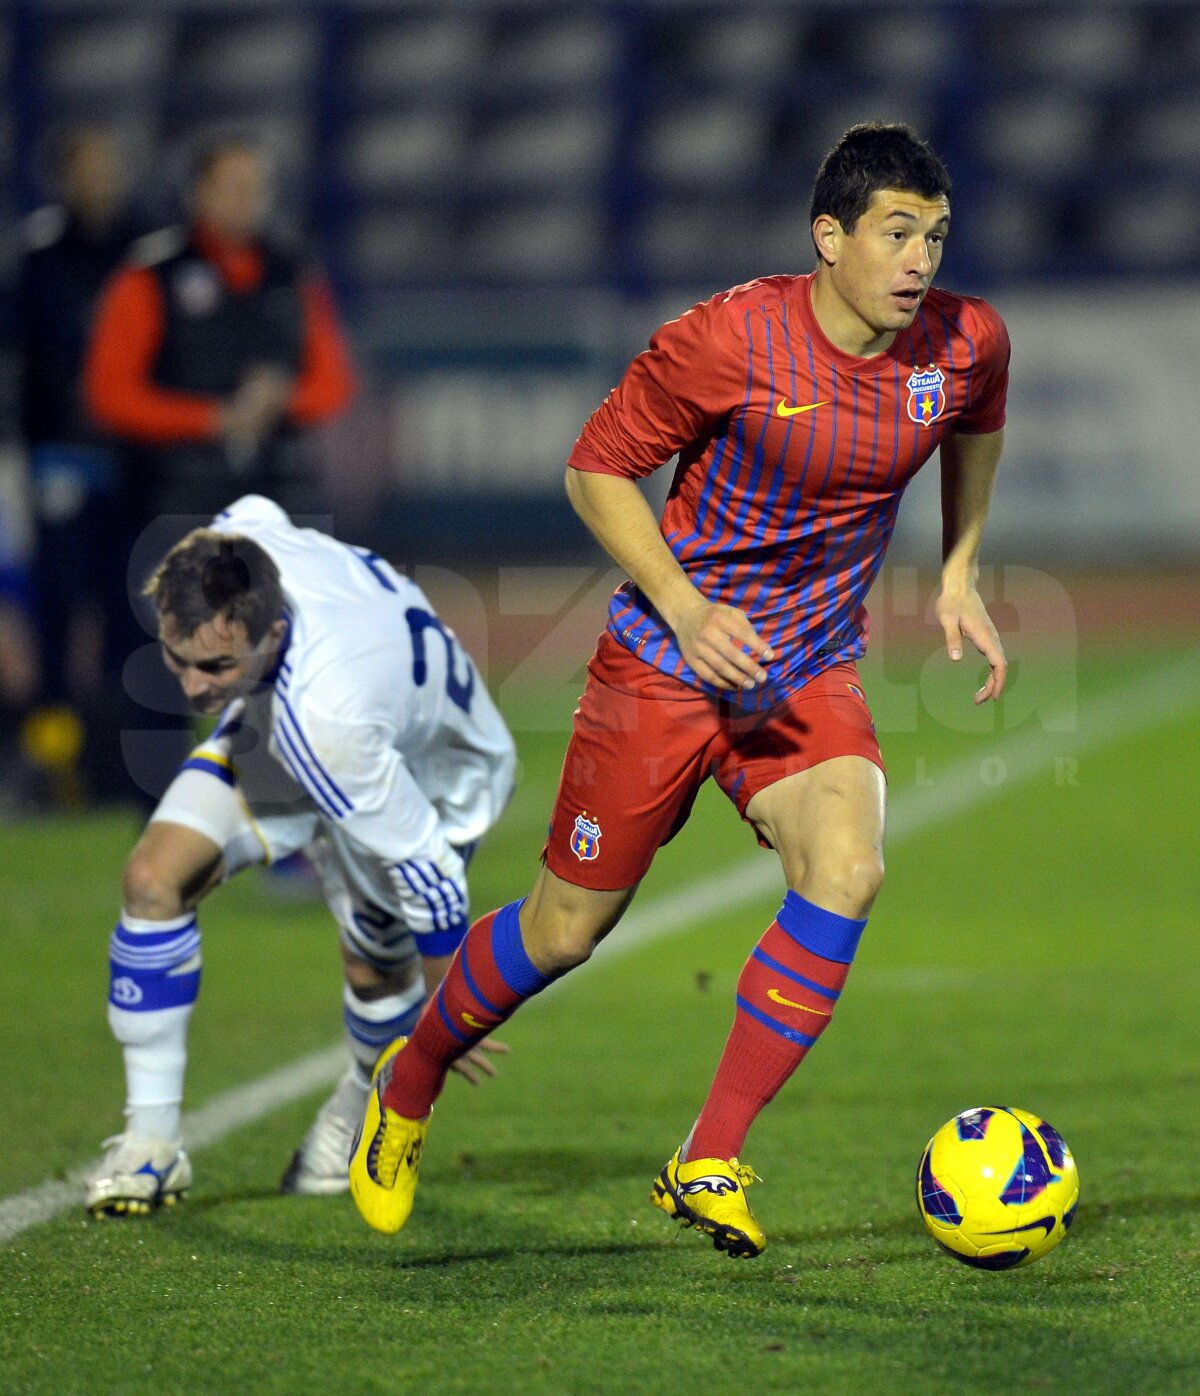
[793,457]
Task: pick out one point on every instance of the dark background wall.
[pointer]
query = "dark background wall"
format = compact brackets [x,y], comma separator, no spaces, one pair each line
[509,197]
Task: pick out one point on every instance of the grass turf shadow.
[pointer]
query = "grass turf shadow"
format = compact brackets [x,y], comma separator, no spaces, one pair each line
[364,1251]
[552,1170]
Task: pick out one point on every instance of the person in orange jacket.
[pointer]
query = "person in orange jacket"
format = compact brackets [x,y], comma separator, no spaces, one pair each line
[213,350]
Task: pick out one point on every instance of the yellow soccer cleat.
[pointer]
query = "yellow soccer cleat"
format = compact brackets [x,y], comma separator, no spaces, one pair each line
[386,1155]
[710,1194]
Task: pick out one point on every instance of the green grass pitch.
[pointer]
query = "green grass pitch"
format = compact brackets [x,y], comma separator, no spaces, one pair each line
[1038,949]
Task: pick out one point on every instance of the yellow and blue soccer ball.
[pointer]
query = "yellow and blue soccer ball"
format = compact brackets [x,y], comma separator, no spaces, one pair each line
[997,1187]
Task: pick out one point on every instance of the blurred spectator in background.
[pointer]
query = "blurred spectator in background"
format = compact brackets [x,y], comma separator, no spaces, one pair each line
[19,666]
[77,582]
[19,672]
[214,349]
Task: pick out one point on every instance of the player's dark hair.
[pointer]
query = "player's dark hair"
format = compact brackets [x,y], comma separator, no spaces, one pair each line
[212,574]
[870,157]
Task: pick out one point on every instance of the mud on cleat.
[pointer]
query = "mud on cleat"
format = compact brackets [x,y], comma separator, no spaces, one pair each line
[710,1194]
[138,1175]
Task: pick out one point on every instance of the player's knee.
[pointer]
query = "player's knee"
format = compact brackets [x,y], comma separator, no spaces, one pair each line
[865,878]
[562,943]
[368,982]
[364,980]
[561,923]
[564,929]
[148,888]
[846,880]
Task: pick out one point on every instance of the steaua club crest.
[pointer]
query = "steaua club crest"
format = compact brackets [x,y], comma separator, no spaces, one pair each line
[585,838]
[926,395]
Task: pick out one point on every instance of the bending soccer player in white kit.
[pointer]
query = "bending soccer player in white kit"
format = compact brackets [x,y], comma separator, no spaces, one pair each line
[352,726]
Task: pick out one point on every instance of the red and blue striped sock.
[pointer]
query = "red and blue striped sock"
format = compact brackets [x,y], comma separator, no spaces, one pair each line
[786,994]
[489,978]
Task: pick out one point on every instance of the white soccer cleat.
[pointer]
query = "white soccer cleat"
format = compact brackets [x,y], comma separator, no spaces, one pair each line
[137,1175]
[320,1166]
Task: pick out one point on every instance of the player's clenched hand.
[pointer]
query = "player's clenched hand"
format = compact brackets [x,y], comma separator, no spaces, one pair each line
[722,647]
[473,1066]
[963,613]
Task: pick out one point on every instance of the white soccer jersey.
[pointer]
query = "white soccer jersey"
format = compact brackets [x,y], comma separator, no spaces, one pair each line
[380,715]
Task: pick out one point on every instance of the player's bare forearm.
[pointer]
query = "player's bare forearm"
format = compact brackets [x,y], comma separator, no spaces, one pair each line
[969,465]
[717,641]
[622,522]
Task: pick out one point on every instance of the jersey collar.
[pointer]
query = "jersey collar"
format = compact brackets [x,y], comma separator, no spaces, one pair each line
[898,352]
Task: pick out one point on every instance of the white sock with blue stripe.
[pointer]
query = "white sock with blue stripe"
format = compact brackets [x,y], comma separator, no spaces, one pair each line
[155,979]
[371,1024]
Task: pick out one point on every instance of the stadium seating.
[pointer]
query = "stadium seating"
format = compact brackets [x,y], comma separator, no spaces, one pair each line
[637,145]
[515,164]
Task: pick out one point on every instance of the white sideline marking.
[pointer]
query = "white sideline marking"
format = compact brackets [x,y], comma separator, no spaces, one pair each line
[1135,707]
[221,1116]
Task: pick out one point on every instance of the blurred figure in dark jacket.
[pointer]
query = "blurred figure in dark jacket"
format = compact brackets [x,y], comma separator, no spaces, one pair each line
[82,620]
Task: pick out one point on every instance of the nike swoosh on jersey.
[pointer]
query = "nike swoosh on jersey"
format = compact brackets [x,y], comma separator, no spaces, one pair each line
[473,1022]
[776,997]
[783,410]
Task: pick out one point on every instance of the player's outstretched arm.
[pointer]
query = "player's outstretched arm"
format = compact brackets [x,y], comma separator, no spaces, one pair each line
[718,642]
[969,464]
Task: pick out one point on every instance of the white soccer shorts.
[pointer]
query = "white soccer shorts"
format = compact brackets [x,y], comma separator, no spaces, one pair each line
[255,812]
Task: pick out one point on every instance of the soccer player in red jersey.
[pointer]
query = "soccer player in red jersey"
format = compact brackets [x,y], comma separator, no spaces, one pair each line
[800,407]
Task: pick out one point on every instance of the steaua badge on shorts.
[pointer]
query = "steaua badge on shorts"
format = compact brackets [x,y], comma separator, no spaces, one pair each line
[585,839]
[926,395]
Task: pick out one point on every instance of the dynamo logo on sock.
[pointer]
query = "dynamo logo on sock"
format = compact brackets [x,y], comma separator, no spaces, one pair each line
[125,992]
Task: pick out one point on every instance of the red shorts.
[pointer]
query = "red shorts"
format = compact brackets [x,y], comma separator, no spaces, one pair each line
[644,743]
